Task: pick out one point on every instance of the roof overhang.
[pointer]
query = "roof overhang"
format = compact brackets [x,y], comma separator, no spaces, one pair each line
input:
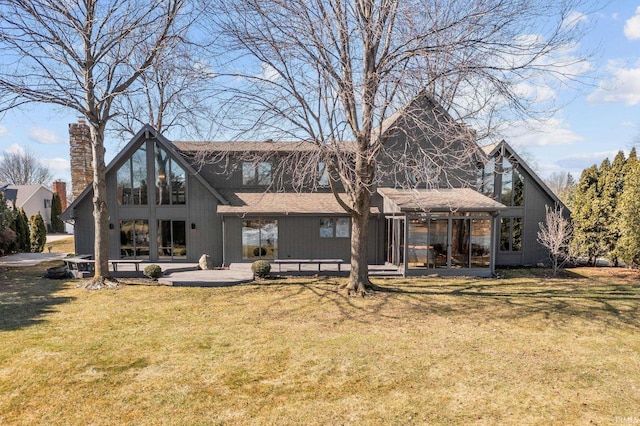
[437,200]
[283,203]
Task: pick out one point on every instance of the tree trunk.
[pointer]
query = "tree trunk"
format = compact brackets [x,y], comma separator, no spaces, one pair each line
[359,282]
[101,277]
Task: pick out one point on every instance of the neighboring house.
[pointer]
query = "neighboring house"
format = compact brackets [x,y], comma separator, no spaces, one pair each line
[32,199]
[162,207]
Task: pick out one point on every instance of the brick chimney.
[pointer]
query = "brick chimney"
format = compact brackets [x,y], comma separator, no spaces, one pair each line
[60,188]
[80,156]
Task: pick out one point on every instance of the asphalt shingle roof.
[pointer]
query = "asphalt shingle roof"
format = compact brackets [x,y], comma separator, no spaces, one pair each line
[440,200]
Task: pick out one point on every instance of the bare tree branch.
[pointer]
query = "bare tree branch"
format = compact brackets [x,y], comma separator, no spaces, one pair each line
[83,55]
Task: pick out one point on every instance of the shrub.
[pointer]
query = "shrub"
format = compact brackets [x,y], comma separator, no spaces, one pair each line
[261,268]
[38,233]
[152,271]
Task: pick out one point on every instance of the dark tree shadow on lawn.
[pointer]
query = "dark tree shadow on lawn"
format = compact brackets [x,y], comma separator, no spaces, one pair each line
[25,297]
[607,300]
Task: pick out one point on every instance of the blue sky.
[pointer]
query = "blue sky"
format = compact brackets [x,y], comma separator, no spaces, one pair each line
[592,124]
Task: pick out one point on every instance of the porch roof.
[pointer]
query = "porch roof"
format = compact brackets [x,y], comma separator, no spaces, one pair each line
[283,203]
[437,200]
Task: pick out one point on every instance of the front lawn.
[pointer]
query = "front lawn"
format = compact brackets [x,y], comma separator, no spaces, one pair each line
[524,349]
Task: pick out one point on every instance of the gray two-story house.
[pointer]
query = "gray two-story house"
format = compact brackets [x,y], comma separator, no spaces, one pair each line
[166,203]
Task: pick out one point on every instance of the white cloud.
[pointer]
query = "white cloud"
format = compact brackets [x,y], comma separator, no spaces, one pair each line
[43,136]
[573,19]
[269,73]
[537,93]
[584,160]
[57,165]
[4,131]
[546,133]
[622,87]
[632,26]
[14,149]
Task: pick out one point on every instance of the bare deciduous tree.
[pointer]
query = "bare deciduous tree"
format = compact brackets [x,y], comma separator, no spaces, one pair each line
[330,71]
[83,55]
[171,95]
[562,184]
[23,168]
[555,234]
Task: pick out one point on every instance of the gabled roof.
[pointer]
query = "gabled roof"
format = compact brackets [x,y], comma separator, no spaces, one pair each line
[439,200]
[23,193]
[244,146]
[283,203]
[493,149]
[147,132]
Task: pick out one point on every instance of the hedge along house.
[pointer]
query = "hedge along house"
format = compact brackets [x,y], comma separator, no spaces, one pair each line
[166,205]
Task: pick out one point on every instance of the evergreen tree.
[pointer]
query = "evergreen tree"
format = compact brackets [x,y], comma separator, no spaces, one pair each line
[628,246]
[57,225]
[587,219]
[7,235]
[612,186]
[23,232]
[38,233]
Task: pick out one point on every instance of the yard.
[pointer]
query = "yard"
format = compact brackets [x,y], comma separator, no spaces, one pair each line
[519,350]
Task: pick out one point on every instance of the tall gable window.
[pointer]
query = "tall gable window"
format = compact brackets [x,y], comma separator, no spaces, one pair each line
[132,179]
[170,179]
[512,185]
[256,174]
[486,178]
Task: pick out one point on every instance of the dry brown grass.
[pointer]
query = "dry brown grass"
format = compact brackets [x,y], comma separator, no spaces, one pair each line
[64,245]
[520,350]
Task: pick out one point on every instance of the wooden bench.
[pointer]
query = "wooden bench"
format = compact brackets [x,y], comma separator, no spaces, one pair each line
[84,264]
[301,262]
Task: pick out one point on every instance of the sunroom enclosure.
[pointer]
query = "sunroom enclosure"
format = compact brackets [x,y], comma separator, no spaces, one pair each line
[445,232]
[447,244]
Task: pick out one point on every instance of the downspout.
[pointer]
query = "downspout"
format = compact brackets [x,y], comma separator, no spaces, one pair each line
[405,248]
[224,257]
[494,247]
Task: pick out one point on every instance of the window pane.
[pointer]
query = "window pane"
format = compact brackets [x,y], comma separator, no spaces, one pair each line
[516,242]
[343,227]
[134,239]
[259,239]
[505,233]
[323,174]
[438,247]
[164,239]
[488,178]
[507,184]
[248,174]
[518,189]
[142,239]
[139,170]
[480,243]
[417,243]
[162,177]
[326,228]
[264,173]
[123,178]
[126,239]
[460,243]
[178,187]
[179,239]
